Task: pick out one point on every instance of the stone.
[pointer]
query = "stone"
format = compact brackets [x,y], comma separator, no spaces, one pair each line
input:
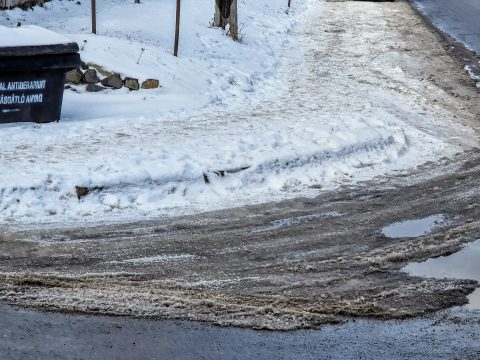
[90,76]
[81,191]
[74,76]
[113,81]
[131,83]
[25,4]
[100,69]
[94,88]
[150,84]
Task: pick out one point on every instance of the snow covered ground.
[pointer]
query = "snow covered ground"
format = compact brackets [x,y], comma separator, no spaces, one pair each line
[294,107]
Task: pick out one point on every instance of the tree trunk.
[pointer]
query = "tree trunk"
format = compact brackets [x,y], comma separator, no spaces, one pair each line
[226,14]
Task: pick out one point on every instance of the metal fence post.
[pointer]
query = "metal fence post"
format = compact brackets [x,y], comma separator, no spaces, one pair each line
[94,17]
[177,30]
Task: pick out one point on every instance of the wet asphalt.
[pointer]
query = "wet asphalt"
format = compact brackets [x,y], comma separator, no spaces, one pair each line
[459,18]
[30,334]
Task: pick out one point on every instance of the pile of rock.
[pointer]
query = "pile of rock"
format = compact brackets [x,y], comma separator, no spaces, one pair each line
[89,74]
[25,4]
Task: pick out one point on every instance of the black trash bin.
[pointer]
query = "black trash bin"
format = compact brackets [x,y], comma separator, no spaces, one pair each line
[32,80]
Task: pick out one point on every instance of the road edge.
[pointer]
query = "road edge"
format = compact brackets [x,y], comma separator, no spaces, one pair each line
[469,59]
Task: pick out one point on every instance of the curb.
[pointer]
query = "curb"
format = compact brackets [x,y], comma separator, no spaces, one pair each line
[465,56]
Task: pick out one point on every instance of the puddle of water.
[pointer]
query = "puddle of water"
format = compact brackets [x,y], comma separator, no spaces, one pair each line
[415,228]
[464,264]
[278,224]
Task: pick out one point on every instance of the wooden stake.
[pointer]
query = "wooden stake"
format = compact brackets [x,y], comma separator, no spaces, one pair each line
[233,21]
[94,17]
[289,3]
[177,30]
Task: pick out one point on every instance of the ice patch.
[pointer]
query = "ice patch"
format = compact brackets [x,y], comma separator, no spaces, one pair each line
[158,259]
[464,264]
[278,224]
[415,228]
[473,75]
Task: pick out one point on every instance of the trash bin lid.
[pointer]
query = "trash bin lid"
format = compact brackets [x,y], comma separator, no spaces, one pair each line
[30,40]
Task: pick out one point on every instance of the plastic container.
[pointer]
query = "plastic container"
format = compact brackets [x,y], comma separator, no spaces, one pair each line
[32,75]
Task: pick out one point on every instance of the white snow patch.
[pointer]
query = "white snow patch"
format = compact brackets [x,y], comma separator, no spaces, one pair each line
[158,259]
[415,228]
[464,264]
[30,35]
[278,224]
[111,200]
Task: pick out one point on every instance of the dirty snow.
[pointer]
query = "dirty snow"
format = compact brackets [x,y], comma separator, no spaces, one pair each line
[296,105]
[473,75]
[464,264]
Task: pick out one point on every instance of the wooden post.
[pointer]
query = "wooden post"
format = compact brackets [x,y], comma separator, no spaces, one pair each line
[177,30]
[289,3]
[94,17]
[234,21]
[226,13]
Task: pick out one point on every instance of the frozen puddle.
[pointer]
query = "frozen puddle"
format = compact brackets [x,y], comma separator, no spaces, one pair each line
[464,264]
[415,228]
[278,224]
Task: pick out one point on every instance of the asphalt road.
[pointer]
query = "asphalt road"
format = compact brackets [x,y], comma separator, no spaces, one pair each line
[459,18]
[29,334]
